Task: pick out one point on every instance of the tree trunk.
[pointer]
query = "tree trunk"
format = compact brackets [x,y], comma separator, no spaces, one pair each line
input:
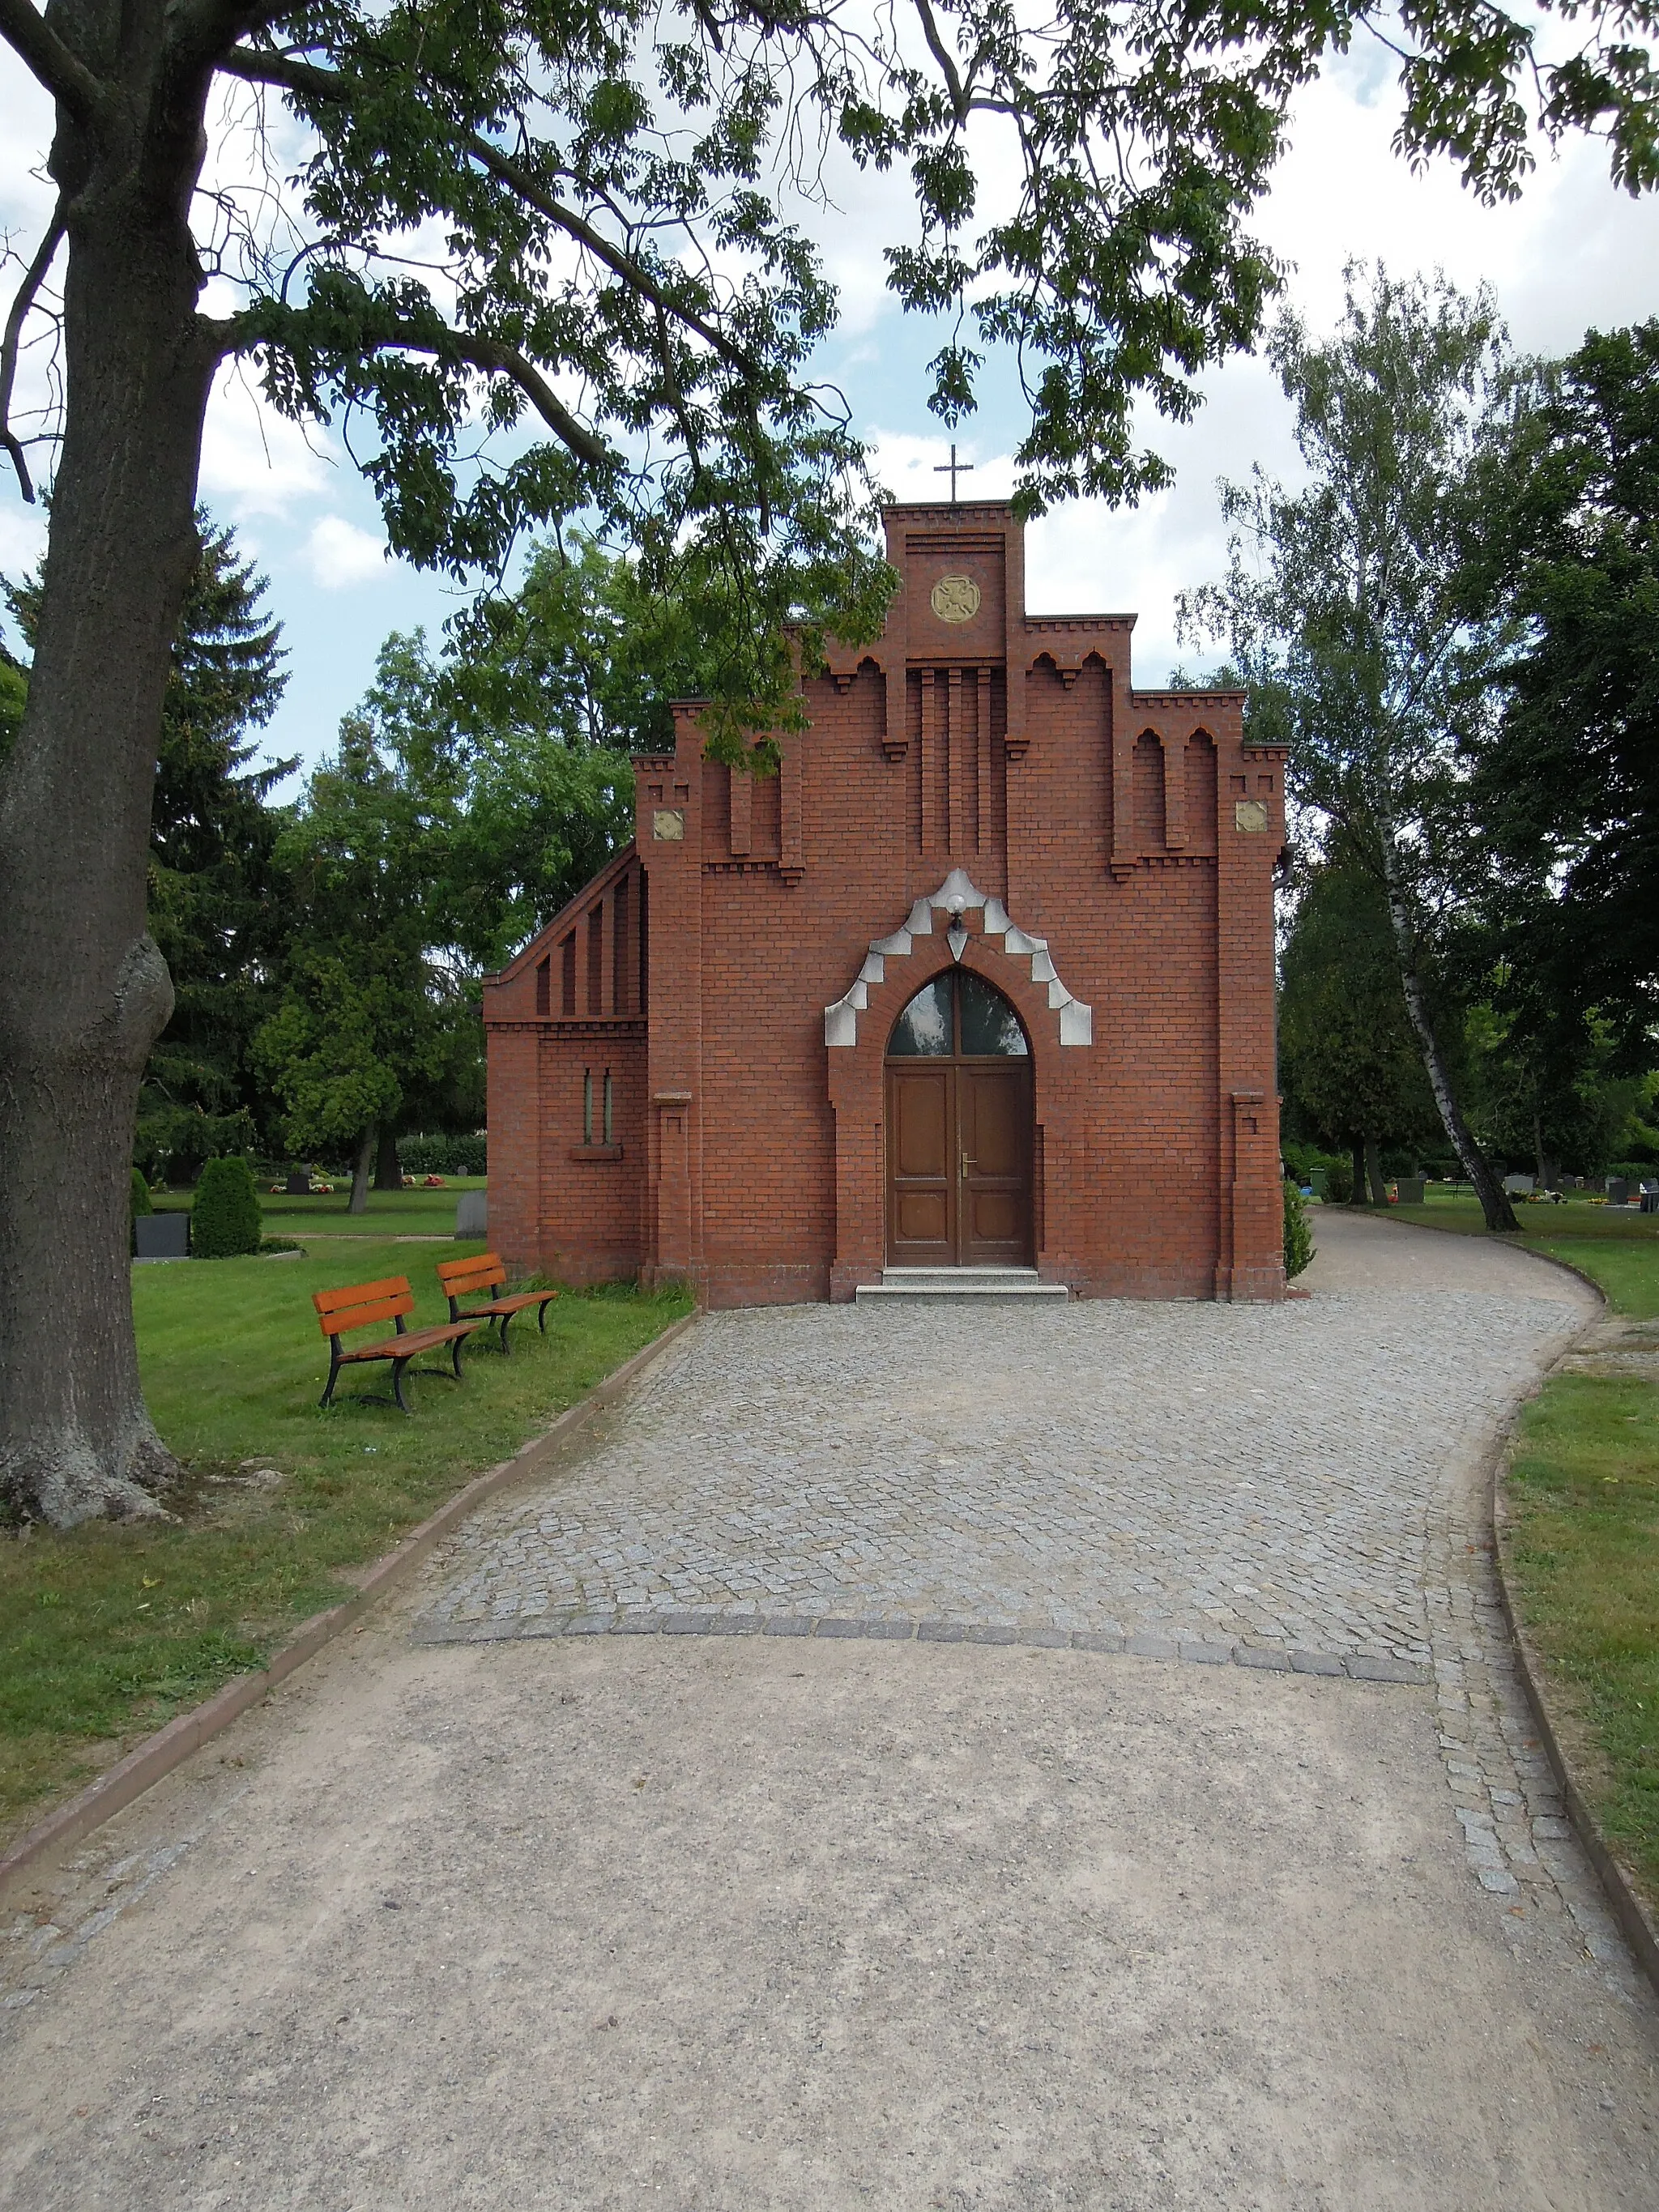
[1548,1174]
[359,1175]
[83,990]
[1377,1189]
[388,1175]
[1356,1195]
[1494,1200]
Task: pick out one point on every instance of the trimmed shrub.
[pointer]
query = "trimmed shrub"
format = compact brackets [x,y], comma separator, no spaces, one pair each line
[225,1219]
[1338,1181]
[463,1154]
[1298,1238]
[140,1196]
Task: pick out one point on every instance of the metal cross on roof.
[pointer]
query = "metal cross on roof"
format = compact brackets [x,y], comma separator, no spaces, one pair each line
[953,468]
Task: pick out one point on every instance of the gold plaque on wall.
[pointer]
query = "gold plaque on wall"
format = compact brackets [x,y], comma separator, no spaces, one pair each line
[668,825]
[955,599]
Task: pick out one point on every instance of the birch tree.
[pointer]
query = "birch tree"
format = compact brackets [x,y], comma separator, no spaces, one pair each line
[1344,607]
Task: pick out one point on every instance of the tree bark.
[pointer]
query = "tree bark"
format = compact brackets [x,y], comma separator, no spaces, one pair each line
[1494,1200]
[1548,1172]
[83,990]
[388,1175]
[360,1173]
[1356,1195]
[1376,1190]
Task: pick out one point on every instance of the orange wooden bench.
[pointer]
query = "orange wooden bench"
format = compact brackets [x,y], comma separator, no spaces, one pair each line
[361,1307]
[464,1278]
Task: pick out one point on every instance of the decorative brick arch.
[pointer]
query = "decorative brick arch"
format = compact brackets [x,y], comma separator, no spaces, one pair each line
[857,1026]
[957,896]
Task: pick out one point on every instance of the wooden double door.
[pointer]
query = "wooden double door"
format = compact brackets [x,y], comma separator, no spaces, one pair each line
[959,1130]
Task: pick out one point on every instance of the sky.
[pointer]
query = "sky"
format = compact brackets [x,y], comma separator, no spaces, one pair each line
[1573,253]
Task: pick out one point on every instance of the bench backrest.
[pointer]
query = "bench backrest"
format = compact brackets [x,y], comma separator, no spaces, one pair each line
[362,1304]
[460,1279]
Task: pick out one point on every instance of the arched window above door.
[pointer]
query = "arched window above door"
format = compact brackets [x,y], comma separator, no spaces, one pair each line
[958,1015]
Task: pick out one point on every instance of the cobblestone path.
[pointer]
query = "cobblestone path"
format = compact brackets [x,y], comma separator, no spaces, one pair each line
[1250,1482]
[1300,1488]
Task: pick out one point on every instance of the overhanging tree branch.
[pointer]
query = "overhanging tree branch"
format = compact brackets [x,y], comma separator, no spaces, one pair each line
[496,359]
[34,277]
[51,62]
[280,72]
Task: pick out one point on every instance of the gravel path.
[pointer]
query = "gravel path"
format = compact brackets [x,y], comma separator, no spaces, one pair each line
[529,1915]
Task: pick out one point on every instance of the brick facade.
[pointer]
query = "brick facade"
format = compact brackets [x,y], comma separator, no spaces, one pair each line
[729,981]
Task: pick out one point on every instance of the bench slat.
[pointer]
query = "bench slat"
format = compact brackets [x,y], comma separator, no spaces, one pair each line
[459,1276]
[362,1304]
[516,1303]
[412,1340]
[357,1294]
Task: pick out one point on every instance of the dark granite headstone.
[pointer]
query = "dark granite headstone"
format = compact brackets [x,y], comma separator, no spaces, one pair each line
[162,1236]
[298,1184]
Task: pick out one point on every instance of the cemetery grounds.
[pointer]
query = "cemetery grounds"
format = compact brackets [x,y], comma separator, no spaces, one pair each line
[1582,1554]
[107,1632]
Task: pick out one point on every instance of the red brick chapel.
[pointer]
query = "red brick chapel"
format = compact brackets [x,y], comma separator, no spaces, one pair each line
[983,979]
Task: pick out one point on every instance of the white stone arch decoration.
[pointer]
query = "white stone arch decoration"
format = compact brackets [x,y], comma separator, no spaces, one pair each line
[955,896]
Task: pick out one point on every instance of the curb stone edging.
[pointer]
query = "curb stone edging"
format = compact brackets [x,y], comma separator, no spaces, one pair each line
[903,1628]
[158,1755]
[1628,1910]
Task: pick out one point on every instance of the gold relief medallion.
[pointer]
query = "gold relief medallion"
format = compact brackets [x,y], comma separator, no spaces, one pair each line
[955,599]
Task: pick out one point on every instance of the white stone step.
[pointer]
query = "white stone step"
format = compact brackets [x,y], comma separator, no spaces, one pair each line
[958,1283]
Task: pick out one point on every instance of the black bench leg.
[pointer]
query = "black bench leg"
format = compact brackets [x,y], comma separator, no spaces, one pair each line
[455,1355]
[507,1323]
[541,1314]
[333,1372]
[397,1367]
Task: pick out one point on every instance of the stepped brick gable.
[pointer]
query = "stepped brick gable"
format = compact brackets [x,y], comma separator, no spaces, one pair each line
[705,1066]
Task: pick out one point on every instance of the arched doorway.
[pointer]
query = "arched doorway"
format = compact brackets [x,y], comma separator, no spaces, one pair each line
[959,1124]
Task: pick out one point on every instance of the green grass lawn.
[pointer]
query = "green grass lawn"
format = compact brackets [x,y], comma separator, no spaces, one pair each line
[1583,1555]
[1615,1246]
[104,1633]
[391,1212]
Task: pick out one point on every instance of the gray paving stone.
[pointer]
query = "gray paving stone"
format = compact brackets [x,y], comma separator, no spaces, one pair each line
[1316,1663]
[1365,1669]
[1251,1654]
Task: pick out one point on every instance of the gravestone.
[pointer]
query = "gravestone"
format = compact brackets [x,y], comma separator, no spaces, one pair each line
[1617,1192]
[1409,1189]
[162,1236]
[1518,1185]
[472,1214]
[298,1184]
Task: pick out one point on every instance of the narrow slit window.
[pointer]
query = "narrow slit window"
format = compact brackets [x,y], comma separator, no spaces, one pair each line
[545,986]
[587,1105]
[610,1109]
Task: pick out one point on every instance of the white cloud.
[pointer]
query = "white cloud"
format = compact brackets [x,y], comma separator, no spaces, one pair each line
[339,555]
[22,535]
[254,461]
[909,466]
